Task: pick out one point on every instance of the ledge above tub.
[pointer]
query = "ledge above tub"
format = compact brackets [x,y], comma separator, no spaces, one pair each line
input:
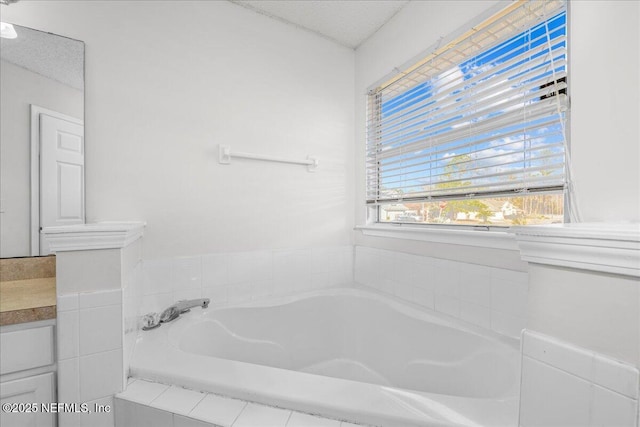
[100,235]
[605,247]
[481,236]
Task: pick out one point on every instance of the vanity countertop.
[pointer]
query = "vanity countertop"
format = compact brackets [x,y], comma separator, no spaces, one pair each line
[27,300]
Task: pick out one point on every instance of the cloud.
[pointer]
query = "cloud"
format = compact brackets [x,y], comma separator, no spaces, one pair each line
[447,80]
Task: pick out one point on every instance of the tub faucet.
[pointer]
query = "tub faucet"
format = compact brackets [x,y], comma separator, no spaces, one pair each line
[152,320]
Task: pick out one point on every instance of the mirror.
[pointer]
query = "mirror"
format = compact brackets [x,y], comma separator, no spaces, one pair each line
[41,137]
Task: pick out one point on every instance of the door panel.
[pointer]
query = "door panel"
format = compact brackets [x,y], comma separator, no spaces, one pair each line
[61,174]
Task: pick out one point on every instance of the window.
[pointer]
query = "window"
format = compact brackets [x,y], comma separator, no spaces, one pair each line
[474,133]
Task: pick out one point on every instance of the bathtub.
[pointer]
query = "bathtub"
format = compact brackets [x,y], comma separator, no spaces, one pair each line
[347,354]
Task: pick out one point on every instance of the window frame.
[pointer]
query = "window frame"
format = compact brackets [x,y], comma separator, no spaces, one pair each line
[373,224]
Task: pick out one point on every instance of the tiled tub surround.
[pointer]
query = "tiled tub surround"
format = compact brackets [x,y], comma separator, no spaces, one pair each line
[131,302]
[90,353]
[152,404]
[489,297]
[347,354]
[588,389]
[99,284]
[229,278]
[96,337]
[581,350]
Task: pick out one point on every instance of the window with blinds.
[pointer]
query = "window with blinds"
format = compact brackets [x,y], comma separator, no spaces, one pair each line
[475,132]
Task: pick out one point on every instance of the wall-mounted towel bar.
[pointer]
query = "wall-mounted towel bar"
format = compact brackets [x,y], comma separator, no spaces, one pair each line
[225,155]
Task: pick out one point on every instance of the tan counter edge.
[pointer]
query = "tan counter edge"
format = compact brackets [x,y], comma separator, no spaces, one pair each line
[26,315]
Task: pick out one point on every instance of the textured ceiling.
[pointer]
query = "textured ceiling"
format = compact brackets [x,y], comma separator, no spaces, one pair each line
[347,22]
[52,56]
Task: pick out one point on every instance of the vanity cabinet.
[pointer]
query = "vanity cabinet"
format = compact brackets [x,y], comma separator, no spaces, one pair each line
[27,374]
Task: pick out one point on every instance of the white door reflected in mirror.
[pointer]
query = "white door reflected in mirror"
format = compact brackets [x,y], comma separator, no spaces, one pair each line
[61,172]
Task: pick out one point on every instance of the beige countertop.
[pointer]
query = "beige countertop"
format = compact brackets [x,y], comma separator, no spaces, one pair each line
[27,300]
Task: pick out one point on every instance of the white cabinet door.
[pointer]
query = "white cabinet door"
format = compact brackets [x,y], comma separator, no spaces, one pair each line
[26,349]
[35,389]
[61,174]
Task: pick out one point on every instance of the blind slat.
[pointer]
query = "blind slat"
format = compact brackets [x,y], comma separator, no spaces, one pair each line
[461,104]
[495,125]
[461,82]
[489,122]
[527,157]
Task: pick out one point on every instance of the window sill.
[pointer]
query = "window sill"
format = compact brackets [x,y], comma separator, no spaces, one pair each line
[465,237]
[604,247]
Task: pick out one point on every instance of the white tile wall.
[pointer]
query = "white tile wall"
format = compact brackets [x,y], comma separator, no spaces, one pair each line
[103,417]
[157,277]
[97,332]
[100,375]
[98,299]
[67,302]
[255,415]
[89,300]
[87,271]
[130,414]
[178,400]
[180,421]
[551,397]
[571,386]
[298,419]
[143,392]
[236,277]
[89,352]
[70,419]
[186,273]
[69,380]
[67,334]
[145,403]
[489,297]
[132,292]
[218,410]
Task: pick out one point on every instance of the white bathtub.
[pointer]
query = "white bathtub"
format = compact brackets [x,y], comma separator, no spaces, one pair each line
[341,353]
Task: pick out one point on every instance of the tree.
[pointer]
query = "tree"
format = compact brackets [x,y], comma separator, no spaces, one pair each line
[454,175]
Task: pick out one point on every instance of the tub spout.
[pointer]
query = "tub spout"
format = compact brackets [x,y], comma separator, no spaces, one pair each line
[180,307]
[173,312]
[186,305]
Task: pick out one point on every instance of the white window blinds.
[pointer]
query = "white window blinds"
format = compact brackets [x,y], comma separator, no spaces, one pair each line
[482,116]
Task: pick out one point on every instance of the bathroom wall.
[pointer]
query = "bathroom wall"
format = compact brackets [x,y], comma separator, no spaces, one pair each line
[20,88]
[604,122]
[237,277]
[166,82]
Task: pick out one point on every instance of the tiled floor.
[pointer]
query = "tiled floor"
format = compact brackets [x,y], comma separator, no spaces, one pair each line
[147,403]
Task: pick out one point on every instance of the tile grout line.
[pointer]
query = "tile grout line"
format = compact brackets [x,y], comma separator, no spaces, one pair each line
[204,394]
[239,413]
[591,382]
[158,396]
[288,418]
